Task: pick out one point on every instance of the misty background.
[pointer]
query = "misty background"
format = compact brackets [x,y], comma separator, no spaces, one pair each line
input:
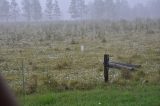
[47,10]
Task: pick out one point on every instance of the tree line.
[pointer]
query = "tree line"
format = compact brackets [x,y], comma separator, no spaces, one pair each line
[31,10]
[113,9]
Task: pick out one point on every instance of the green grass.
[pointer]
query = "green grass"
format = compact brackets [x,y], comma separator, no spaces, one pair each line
[108,96]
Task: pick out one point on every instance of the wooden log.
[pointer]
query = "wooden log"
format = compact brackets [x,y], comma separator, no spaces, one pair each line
[106,67]
[119,66]
[128,65]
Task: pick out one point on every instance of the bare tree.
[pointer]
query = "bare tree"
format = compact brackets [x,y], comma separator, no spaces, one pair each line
[4,10]
[56,10]
[49,9]
[14,10]
[36,10]
[82,8]
[26,7]
[109,9]
[73,9]
[98,9]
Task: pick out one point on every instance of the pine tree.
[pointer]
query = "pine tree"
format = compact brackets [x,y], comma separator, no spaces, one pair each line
[73,9]
[122,8]
[154,8]
[98,9]
[56,10]
[14,10]
[4,9]
[26,7]
[49,9]
[82,8]
[36,10]
[109,9]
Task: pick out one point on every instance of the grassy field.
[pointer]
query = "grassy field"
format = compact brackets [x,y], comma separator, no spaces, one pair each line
[111,96]
[41,57]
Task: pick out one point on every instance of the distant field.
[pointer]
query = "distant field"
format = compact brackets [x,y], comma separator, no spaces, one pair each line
[112,96]
[46,57]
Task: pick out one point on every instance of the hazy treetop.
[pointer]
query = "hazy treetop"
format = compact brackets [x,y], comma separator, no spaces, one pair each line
[85,9]
[64,4]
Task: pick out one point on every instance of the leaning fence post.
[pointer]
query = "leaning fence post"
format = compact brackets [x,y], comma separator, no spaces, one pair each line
[106,67]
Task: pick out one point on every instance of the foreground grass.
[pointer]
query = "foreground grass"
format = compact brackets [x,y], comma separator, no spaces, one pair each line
[110,96]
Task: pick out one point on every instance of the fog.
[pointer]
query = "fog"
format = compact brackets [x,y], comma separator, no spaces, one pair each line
[86,9]
[62,52]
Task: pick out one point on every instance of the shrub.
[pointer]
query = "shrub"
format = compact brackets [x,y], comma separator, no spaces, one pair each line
[126,74]
[63,62]
[68,49]
[50,82]
[141,74]
[120,82]
[32,84]
[100,68]
[104,40]
[73,41]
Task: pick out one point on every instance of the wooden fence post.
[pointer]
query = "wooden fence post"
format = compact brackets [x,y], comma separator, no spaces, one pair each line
[106,67]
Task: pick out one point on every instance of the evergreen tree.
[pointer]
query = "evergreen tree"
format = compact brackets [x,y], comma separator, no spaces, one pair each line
[26,7]
[98,9]
[154,8]
[122,9]
[14,10]
[49,9]
[78,9]
[4,9]
[36,10]
[56,10]
[82,8]
[73,9]
[109,9]
[138,11]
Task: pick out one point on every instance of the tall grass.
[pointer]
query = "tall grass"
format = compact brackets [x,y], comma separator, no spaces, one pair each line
[56,47]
